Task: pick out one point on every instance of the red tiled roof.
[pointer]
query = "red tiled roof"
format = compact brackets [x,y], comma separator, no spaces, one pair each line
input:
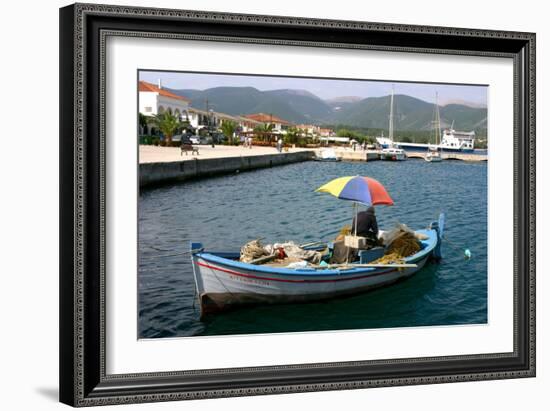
[144,86]
[267,118]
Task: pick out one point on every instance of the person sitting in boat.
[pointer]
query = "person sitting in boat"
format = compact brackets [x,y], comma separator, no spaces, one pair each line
[367,226]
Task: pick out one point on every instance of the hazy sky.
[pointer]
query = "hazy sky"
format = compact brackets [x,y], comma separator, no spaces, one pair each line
[325,89]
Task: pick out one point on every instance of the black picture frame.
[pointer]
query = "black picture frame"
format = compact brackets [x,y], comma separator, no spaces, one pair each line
[83,29]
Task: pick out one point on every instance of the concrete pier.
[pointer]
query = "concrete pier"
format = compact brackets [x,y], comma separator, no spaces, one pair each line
[151,173]
[348,154]
[450,156]
[358,155]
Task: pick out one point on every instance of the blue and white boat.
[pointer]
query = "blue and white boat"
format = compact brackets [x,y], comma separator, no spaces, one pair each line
[223,282]
[452,141]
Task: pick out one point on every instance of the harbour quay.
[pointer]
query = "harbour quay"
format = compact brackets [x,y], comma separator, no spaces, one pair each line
[451,156]
[348,154]
[357,155]
[159,165]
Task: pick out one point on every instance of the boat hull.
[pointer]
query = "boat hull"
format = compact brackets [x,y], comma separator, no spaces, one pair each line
[430,158]
[393,157]
[223,282]
[412,147]
[228,288]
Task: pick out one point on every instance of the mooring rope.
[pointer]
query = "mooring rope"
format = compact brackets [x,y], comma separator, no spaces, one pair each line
[464,251]
[166,255]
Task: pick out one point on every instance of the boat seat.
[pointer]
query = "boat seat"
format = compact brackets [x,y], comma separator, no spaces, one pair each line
[338,253]
[366,256]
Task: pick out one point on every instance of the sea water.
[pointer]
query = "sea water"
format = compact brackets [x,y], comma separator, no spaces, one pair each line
[280,204]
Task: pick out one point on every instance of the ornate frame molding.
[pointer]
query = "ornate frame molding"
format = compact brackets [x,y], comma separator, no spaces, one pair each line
[82,334]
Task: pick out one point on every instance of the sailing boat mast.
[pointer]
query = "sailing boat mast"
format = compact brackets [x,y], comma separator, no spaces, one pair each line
[437,124]
[391,116]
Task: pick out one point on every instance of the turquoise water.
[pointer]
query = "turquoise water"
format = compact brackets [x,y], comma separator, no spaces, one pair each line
[280,204]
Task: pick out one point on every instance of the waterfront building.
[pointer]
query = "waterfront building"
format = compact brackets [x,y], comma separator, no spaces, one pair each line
[326,132]
[153,100]
[201,118]
[308,130]
[248,125]
[334,139]
[280,126]
[196,118]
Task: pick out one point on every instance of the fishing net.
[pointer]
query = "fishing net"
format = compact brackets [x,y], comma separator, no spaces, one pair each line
[344,231]
[401,242]
[252,250]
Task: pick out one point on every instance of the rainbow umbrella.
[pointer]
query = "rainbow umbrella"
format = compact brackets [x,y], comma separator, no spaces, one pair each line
[364,190]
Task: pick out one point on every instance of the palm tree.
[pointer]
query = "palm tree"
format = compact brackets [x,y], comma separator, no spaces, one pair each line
[291,136]
[228,129]
[167,123]
[263,129]
[143,120]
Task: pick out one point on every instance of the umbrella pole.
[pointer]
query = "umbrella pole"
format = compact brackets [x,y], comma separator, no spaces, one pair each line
[356,208]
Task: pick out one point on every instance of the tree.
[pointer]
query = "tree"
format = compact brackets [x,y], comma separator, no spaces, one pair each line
[167,123]
[143,120]
[228,129]
[344,132]
[263,129]
[291,136]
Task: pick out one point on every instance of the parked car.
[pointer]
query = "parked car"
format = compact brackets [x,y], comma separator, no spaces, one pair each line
[195,140]
[181,138]
[205,140]
[219,138]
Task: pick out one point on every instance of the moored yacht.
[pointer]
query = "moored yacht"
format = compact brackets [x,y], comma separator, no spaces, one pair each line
[434,154]
[391,151]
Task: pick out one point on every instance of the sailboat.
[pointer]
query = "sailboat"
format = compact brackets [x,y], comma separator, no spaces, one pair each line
[392,152]
[434,153]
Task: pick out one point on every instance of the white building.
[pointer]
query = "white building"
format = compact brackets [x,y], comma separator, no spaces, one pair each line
[280,126]
[155,100]
[308,130]
[334,139]
[197,118]
[201,118]
[326,132]
[248,125]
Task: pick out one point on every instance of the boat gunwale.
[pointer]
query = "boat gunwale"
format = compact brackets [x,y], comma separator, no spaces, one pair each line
[431,243]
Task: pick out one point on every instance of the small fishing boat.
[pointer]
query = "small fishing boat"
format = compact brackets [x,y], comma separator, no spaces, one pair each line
[223,282]
[326,154]
[393,153]
[433,156]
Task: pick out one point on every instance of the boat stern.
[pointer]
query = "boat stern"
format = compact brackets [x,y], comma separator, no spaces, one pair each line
[439,227]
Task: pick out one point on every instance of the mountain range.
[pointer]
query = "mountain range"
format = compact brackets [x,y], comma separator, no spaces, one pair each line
[301,106]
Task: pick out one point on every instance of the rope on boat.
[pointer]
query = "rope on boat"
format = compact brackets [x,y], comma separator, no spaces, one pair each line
[252,251]
[465,251]
[194,296]
[166,255]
